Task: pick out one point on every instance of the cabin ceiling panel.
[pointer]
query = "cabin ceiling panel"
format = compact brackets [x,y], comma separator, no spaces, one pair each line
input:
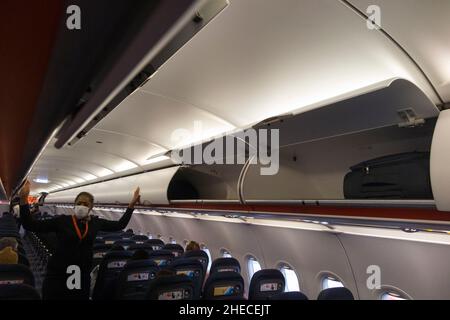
[262,58]
[422,28]
[136,149]
[111,162]
[160,119]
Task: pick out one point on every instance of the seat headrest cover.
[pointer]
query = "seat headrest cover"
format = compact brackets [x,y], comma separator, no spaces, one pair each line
[294,295]
[225,264]
[18,292]
[16,274]
[266,283]
[222,285]
[176,287]
[340,293]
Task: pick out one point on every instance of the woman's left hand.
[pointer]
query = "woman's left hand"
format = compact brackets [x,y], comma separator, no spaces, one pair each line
[136,198]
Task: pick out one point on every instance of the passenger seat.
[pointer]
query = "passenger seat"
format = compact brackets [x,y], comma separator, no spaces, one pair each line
[339,293]
[266,283]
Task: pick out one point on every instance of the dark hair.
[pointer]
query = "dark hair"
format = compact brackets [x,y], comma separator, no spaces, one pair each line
[140,254]
[86,194]
[192,245]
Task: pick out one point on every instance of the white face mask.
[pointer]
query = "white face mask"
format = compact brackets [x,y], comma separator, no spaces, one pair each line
[81,211]
[16,210]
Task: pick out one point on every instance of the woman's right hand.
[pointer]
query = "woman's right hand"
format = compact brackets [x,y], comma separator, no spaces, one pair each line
[24,192]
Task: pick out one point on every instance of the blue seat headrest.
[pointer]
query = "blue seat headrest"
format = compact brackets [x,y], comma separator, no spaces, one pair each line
[293,295]
[114,256]
[175,287]
[124,242]
[157,244]
[196,254]
[16,274]
[102,246]
[161,257]
[18,292]
[131,264]
[225,285]
[266,283]
[139,237]
[176,249]
[200,255]
[225,264]
[339,293]
[143,246]
[188,264]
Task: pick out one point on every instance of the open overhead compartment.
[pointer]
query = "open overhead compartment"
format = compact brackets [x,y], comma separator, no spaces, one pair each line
[318,147]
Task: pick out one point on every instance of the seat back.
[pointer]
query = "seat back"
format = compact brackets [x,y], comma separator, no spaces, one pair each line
[225,264]
[139,238]
[225,285]
[135,278]
[293,295]
[18,292]
[22,259]
[339,293]
[98,252]
[201,256]
[192,268]
[175,248]
[110,267]
[143,246]
[124,243]
[266,283]
[157,244]
[111,238]
[176,287]
[16,274]
[162,258]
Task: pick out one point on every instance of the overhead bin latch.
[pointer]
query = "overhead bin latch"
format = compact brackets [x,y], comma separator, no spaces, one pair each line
[409,118]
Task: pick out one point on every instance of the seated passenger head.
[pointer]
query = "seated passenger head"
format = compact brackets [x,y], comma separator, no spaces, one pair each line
[8,242]
[16,211]
[8,251]
[129,231]
[192,246]
[84,202]
[140,254]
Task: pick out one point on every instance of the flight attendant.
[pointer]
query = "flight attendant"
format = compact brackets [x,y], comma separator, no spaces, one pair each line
[75,238]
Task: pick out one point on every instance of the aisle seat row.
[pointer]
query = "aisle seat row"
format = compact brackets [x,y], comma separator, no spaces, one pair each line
[169,273]
[16,280]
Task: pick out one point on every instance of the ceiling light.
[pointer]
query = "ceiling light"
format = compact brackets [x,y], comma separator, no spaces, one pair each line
[41,180]
[156,159]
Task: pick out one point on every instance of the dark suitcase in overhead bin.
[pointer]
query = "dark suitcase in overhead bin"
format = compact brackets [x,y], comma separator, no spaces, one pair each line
[399,176]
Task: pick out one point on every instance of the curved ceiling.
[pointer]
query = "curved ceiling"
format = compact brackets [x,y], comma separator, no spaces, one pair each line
[256,59]
[422,29]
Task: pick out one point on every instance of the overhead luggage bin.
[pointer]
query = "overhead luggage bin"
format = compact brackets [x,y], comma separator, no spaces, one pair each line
[154,186]
[439,162]
[318,147]
[392,102]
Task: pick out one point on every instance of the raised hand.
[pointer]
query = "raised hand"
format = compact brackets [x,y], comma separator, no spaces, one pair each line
[24,192]
[136,198]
